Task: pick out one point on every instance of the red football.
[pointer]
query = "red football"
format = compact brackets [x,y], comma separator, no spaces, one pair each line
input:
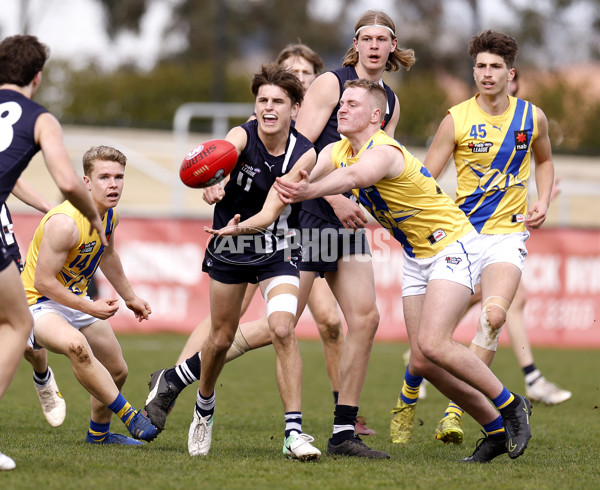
[208,163]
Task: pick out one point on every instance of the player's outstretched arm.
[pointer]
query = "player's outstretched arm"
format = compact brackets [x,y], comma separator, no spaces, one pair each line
[378,163]
[273,205]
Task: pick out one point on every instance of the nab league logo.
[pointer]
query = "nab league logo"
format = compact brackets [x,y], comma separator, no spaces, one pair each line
[86,248]
[521,140]
[481,147]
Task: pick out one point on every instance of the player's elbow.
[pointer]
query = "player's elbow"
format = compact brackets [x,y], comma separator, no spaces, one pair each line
[41,284]
[359,181]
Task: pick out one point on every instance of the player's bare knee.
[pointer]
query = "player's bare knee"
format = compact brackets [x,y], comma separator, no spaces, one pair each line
[222,341]
[369,321]
[119,374]
[281,332]
[331,330]
[431,348]
[372,319]
[419,366]
[79,352]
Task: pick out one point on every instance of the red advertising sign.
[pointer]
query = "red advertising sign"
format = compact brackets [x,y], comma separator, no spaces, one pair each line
[163,259]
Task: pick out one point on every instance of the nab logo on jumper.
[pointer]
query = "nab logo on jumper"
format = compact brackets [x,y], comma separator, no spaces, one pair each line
[521,140]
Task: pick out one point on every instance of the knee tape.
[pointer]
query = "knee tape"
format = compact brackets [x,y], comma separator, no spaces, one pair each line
[239,346]
[282,295]
[486,336]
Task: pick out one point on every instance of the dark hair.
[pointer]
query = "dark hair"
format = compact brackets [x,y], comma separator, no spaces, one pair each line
[497,43]
[104,153]
[373,89]
[275,74]
[400,57]
[301,51]
[21,58]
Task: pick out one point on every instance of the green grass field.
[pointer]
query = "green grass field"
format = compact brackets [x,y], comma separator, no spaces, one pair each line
[248,433]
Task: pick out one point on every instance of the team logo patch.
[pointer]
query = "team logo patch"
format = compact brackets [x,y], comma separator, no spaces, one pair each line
[436,236]
[483,147]
[250,170]
[87,248]
[453,260]
[523,252]
[521,140]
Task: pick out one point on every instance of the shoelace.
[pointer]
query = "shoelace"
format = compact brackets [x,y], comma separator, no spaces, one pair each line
[480,442]
[202,426]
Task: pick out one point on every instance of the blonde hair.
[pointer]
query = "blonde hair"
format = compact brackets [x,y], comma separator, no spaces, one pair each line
[376,91]
[104,153]
[400,57]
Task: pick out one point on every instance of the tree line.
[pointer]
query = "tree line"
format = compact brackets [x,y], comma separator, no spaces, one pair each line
[224,41]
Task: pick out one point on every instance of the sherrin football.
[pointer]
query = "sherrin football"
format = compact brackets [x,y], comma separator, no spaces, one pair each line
[208,163]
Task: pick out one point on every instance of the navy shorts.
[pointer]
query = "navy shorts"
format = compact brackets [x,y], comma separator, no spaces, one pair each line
[5,258]
[323,243]
[281,263]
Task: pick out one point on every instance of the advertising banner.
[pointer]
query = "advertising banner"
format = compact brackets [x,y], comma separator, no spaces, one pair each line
[163,261]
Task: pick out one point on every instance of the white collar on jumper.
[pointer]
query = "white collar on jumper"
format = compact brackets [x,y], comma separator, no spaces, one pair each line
[374,25]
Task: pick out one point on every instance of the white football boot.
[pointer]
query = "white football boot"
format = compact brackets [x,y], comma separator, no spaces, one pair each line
[53,404]
[200,435]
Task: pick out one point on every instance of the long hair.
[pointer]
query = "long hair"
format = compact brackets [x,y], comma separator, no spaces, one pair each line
[400,57]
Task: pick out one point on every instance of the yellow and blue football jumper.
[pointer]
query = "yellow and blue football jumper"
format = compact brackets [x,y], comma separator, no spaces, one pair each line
[81,262]
[411,206]
[492,157]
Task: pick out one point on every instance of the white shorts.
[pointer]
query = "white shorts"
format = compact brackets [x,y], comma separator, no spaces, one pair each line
[75,318]
[509,248]
[459,262]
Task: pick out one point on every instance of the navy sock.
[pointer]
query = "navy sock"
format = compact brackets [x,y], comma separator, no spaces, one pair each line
[185,373]
[205,406]
[41,379]
[344,420]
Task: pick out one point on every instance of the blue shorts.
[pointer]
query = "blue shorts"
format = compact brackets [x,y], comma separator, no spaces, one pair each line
[281,263]
[323,244]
